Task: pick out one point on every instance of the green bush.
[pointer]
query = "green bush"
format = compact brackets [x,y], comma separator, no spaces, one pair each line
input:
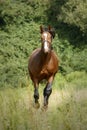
[20,35]
[74,12]
[15,48]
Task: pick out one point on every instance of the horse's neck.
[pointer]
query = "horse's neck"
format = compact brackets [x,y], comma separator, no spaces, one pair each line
[45,58]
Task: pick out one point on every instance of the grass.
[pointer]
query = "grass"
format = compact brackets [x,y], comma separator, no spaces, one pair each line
[67,110]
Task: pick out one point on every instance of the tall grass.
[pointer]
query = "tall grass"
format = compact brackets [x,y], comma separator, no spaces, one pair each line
[67,108]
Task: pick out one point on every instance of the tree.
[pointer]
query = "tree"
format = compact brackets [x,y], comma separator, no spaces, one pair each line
[74,12]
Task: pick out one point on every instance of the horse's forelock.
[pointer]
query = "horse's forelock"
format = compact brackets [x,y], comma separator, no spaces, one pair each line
[51,31]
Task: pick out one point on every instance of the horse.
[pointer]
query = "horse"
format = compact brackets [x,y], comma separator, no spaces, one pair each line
[43,64]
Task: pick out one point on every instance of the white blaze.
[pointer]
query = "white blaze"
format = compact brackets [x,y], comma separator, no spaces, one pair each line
[45,43]
[45,35]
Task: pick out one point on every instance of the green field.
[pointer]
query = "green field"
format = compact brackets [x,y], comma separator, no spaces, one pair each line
[67,107]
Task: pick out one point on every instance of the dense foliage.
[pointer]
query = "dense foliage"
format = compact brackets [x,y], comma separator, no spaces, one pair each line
[74,12]
[19,35]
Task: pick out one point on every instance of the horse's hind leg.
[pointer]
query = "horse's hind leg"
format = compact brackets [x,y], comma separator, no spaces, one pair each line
[36,94]
[47,91]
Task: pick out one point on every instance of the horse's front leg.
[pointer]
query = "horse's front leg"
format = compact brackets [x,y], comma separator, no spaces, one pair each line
[36,94]
[47,91]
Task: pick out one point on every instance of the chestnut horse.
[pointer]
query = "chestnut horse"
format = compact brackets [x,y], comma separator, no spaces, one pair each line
[43,64]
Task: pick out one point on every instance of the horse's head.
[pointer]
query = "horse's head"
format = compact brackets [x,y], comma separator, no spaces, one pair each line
[47,34]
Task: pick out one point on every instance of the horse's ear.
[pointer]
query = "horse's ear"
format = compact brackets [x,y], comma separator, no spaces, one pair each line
[41,29]
[49,27]
[52,31]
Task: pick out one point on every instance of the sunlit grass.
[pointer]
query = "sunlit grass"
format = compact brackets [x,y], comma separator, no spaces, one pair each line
[77,80]
[67,110]
[67,106]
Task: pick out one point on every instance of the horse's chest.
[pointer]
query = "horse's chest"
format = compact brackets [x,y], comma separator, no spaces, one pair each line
[45,71]
[44,74]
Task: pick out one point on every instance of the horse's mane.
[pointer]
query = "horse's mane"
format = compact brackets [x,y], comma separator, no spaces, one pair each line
[52,31]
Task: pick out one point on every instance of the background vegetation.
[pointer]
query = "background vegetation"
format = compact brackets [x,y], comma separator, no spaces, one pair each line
[19,35]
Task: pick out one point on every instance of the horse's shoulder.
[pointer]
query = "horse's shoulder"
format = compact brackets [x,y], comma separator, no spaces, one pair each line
[35,52]
[54,54]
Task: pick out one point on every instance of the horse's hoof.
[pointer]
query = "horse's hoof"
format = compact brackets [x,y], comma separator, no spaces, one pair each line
[45,107]
[37,105]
